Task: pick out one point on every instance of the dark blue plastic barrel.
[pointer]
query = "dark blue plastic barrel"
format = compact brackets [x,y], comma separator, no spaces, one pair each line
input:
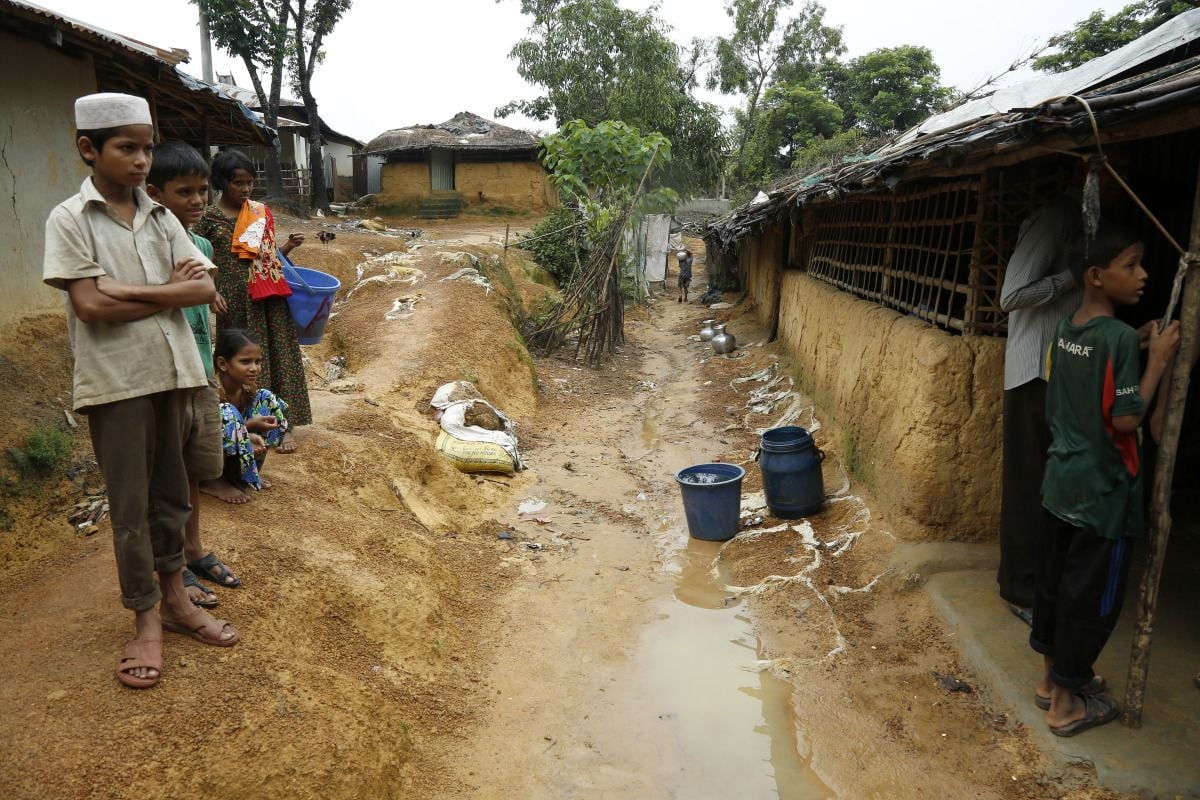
[712,500]
[791,472]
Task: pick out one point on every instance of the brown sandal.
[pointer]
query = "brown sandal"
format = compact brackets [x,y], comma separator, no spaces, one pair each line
[139,653]
[193,625]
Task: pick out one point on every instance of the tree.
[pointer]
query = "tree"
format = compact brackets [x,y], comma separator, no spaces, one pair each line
[314,20]
[1097,34]
[761,45]
[792,116]
[595,61]
[257,33]
[887,90]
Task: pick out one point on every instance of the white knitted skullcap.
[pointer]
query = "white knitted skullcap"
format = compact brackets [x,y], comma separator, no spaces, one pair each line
[110,110]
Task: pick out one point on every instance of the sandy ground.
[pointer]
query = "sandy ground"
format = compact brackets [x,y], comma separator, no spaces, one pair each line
[395,644]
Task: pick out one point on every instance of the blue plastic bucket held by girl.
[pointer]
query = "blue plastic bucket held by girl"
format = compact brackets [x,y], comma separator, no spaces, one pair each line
[712,500]
[791,472]
[311,300]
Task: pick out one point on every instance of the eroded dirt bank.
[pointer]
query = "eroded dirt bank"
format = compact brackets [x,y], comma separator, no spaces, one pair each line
[395,644]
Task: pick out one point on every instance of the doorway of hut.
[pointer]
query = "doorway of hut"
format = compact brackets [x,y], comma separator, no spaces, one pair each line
[441,169]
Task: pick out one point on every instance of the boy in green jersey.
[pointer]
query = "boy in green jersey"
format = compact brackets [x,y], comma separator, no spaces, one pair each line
[1092,489]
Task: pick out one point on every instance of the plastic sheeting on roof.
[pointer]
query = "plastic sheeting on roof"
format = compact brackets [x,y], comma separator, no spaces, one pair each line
[1172,34]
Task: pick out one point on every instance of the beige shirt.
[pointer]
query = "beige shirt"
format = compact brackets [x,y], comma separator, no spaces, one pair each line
[86,238]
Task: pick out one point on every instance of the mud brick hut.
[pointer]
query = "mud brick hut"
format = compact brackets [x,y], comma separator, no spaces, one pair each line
[46,61]
[466,160]
[883,276]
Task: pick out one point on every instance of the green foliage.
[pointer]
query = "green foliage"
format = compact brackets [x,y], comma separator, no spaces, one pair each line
[558,247]
[887,90]
[47,447]
[763,44]
[793,118]
[1098,34]
[604,165]
[595,61]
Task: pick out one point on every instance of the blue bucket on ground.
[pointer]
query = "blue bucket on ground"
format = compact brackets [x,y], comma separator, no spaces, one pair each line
[713,508]
[311,299]
[791,472]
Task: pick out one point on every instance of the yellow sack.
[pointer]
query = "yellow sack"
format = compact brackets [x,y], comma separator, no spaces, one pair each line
[474,456]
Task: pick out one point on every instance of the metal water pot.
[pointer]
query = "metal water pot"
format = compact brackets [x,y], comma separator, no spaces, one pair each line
[722,342]
[706,330]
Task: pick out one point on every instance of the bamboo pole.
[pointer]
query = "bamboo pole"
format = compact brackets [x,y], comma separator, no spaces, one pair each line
[1164,474]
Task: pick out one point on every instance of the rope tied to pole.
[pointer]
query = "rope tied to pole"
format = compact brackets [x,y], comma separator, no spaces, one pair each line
[1187,259]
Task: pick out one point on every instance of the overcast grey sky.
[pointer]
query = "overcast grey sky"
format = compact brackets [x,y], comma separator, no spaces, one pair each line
[392,63]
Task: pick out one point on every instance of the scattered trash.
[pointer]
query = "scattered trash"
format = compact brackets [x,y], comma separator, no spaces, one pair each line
[543,520]
[752,522]
[531,505]
[721,305]
[372,225]
[470,274]
[403,307]
[88,513]
[533,545]
[474,447]
[335,368]
[506,535]
[754,501]
[952,684]
[70,419]
[622,568]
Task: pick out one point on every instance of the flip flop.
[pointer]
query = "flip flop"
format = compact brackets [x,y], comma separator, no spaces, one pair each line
[193,625]
[1095,686]
[210,568]
[1022,613]
[140,653]
[1098,709]
[210,600]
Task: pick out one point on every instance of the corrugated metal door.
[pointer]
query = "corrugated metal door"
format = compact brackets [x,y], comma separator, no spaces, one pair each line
[441,168]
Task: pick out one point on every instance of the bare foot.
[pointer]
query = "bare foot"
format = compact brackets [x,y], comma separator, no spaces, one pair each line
[263,483]
[186,619]
[224,490]
[141,660]
[200,596]
[288,445]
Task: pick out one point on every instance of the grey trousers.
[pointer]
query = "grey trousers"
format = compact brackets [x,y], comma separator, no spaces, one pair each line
[139,445]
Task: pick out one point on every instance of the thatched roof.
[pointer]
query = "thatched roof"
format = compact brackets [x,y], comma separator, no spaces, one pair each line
[464,131]
[1145,88]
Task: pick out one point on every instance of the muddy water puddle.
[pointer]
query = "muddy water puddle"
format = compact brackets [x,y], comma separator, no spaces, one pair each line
[731,726]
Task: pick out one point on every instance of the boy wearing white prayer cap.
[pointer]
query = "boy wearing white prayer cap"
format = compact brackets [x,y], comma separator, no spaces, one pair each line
[128,267]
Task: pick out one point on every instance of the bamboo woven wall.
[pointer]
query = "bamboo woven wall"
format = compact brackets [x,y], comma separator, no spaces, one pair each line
[910,250]
[935,251]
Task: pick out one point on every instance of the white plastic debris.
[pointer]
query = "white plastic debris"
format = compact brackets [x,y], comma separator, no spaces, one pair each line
[531,505]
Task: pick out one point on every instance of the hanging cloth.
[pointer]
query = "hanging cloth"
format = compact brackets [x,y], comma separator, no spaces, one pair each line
[254,242]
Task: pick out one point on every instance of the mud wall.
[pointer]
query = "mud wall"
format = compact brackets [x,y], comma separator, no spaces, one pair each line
[404,181]
[40,166]
[919,409]
[514,184]
[760,259]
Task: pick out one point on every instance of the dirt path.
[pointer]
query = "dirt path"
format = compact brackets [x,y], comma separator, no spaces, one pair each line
[407,634]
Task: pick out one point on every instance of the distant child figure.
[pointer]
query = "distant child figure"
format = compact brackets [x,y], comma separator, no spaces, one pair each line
[685,273]
[179,180]
[253,419]
[250,279]
[1092,489]
[128,267]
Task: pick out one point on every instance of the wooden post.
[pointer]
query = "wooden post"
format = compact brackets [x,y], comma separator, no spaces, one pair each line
[506,226]
[1164,474]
